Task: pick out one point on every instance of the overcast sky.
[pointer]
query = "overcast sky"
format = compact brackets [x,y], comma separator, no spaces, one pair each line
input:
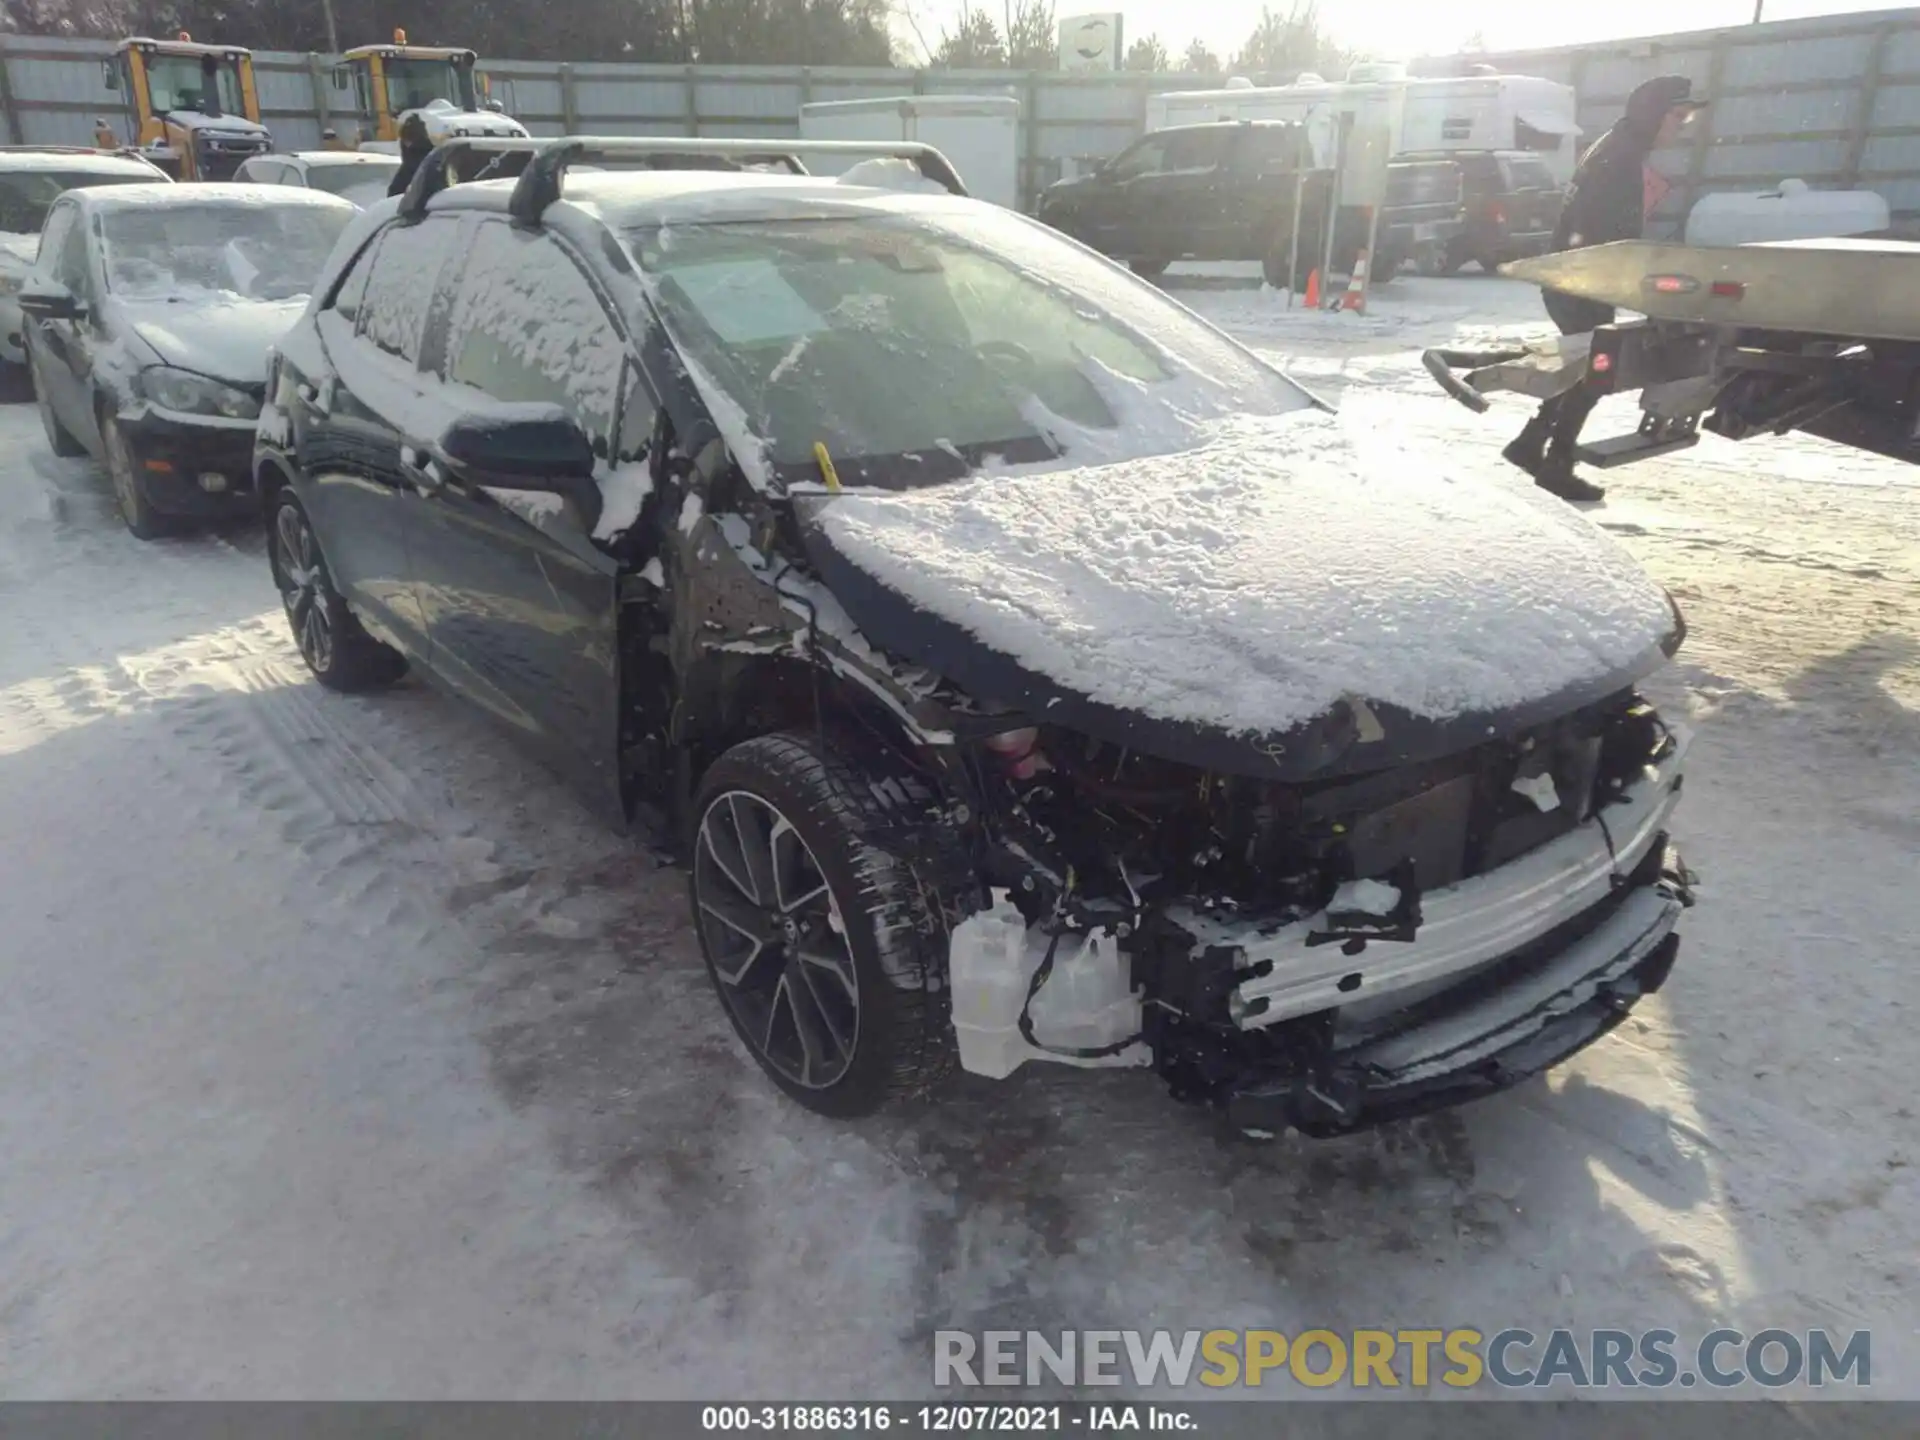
[1398,28]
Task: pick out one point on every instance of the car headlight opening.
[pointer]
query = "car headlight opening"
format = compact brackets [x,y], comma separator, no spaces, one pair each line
[191,394]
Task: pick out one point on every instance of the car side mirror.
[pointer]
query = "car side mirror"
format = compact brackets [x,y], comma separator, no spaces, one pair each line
[50,300]
[539,447]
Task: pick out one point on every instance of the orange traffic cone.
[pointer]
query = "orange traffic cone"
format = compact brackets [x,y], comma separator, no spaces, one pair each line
[1356,296]
[1313,290]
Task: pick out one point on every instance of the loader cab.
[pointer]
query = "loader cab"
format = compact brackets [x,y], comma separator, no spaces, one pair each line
[191,109]
[386,81]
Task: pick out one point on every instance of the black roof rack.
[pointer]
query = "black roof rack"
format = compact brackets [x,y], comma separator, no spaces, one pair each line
[541,165]
[456,161]
[459,160]
[540,182]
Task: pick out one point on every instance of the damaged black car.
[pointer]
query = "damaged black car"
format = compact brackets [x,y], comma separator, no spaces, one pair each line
[1022,669]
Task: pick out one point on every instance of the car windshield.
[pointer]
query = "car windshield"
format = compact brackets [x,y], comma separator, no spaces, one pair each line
[188,82]
[194,253]
[414,84]
[352,176]
[26,196]
[938,341]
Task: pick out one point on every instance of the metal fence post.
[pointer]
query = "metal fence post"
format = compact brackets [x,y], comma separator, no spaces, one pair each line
[317,79]
[693,99]
[1030,122]
[569,102]
[15,136]
[1869,94]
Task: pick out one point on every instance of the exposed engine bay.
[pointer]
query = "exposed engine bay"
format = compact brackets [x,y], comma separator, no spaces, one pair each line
[1241,934]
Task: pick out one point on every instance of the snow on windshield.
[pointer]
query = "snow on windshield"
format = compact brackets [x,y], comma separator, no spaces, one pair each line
[1254,580]
[190,254]
[917,346]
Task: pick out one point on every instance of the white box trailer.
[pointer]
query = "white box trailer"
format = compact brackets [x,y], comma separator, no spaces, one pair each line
[1479,112]
[980,134]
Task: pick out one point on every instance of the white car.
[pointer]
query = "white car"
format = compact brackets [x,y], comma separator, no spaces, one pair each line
[357,175]
[31,179]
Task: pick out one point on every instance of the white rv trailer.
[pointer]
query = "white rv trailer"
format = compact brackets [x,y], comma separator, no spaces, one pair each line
[1475,112]
[980,134]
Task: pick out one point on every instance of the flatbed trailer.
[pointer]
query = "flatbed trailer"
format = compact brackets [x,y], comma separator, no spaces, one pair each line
[1821,336]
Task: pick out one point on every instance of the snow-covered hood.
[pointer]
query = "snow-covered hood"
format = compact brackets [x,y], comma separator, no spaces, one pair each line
[444,123]
[1289,577]
[217,124]
[227,339]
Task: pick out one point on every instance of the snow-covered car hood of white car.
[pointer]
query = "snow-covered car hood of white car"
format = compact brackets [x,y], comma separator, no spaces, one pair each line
[1250,584]
[216,124]
[226,339]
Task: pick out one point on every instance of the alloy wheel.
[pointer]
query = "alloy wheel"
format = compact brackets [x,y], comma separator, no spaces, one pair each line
[775,939]
[303,587]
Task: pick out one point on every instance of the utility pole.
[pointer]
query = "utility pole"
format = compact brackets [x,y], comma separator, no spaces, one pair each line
[1758,6]
[333,35]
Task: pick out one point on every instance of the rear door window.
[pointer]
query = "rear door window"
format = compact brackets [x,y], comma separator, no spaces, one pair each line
[1146,158]
[399,289]
[1196,150]
[1267,148]
[528,325]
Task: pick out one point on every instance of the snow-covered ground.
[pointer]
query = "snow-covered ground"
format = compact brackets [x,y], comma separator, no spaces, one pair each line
[342,1055]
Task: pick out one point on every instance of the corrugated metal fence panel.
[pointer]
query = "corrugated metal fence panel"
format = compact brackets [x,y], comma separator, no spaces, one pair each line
[286,87]
[1841,57]
[529,96]
[1896,106]
[736,99]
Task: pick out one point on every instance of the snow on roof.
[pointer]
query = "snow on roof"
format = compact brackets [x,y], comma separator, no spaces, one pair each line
[340,157]
[128,197]
[1253,581]
[92,162]
[644,197]
[890,172]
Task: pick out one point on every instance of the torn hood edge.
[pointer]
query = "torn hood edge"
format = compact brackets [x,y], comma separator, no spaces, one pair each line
[1355,736]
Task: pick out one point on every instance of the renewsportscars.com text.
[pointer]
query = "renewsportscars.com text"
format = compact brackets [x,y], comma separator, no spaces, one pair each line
[1413,1359]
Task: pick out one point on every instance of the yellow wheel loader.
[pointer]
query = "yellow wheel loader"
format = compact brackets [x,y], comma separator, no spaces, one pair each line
[440,83]
[193,109]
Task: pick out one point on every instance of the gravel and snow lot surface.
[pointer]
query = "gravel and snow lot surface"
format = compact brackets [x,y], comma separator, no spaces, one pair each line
[343,1055]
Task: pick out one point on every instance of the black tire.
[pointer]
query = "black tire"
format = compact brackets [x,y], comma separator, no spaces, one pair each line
[143,521]
[59,439]
[1149,269]
[867,987]
[341,655]
[1381,271]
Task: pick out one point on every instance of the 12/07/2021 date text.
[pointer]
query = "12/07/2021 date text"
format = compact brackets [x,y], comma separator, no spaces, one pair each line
[944,1419]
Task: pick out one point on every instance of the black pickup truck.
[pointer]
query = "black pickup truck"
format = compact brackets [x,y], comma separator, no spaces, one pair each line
[1227,191]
